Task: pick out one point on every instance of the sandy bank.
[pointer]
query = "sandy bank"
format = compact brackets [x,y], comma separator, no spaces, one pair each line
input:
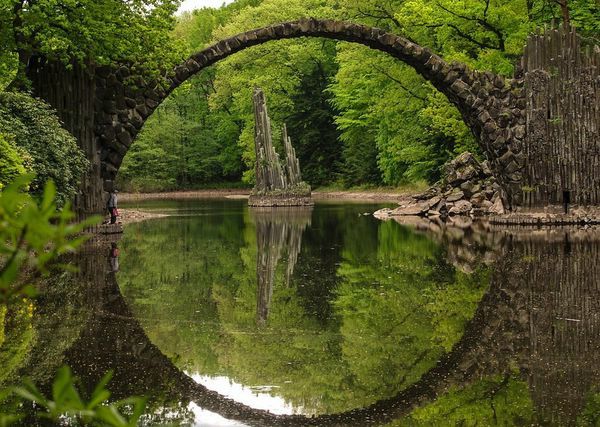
[129,216]
[367,196]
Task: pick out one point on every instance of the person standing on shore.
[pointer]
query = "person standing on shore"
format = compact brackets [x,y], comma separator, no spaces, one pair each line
[111,206]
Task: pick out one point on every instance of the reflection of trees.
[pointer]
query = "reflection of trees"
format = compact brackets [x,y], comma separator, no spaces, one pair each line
[278,230]
[38,332]
[401,307]
[523,353]
[16,339]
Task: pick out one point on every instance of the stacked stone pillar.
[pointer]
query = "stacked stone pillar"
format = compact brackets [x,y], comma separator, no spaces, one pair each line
[276,185]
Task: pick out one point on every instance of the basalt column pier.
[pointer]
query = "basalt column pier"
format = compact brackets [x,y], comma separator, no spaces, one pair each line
[500,112]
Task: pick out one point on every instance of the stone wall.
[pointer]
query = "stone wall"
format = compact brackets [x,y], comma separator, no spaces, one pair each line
[562,144]
[72,92]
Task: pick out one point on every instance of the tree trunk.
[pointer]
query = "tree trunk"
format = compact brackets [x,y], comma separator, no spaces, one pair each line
[566,17]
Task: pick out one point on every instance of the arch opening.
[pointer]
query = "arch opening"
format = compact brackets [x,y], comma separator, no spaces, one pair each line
[481,98]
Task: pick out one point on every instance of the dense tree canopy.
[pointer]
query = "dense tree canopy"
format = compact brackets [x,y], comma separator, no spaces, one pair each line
[98,31]
[72,32]
[11,162]
[43,146]
[356,116]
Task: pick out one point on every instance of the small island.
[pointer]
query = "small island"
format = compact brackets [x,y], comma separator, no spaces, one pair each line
[276,184]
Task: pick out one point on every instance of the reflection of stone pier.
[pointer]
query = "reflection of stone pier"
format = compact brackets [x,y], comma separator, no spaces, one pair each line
[559,275]
[545,316]
[278,231]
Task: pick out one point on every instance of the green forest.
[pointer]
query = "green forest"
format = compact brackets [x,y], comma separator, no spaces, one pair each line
[370,307]
[356,116]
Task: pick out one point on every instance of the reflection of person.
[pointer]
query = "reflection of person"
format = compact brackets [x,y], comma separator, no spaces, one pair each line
[113,257]
[111,206]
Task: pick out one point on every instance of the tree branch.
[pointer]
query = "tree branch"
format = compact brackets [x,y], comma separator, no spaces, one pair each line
[384,14]
[482,22]
[400,83]
[465,36]
[564,8]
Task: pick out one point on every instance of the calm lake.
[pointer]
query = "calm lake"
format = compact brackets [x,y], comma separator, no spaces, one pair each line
[323,316]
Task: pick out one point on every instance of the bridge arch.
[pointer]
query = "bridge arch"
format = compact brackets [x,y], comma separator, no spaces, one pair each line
[487,102]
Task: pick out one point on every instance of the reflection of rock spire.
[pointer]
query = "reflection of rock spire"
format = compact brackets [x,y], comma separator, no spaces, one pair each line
[277,231]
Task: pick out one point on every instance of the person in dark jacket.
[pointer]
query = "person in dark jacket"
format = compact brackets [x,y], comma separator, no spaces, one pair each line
[111,206]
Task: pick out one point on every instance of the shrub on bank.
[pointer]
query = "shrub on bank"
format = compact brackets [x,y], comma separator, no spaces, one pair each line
[54,155]
[11,162]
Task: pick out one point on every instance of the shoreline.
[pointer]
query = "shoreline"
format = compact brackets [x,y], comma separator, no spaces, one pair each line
[131,215]
[341,195]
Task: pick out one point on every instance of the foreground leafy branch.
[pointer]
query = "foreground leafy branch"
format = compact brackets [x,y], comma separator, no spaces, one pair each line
[67,403]
[32,236]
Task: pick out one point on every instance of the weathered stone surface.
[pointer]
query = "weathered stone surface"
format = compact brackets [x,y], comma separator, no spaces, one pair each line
[109,107]
[467,188]
[478,198]
[431,192]
[497,208]
[281,183]
[413,209]
[461,207]
[124,138]
[151,104]
[466,174]
[142,110]
[455,195]
[136,119]
[520,132]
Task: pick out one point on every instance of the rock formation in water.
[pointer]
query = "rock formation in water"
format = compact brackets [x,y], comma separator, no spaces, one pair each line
[276,185]
[467,188]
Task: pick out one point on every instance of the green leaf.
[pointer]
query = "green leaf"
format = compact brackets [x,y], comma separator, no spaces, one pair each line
[30,392]
[100,394]
[111,416]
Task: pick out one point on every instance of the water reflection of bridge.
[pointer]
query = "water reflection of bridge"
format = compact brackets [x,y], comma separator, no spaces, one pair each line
[540,311]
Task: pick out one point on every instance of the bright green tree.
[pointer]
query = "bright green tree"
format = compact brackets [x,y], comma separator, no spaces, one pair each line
[11,162]
[88,31]
[46,148]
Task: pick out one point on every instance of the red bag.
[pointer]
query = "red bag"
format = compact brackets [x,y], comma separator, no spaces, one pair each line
[115,212]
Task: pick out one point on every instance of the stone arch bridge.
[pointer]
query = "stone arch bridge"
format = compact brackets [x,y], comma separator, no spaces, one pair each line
[540,130]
